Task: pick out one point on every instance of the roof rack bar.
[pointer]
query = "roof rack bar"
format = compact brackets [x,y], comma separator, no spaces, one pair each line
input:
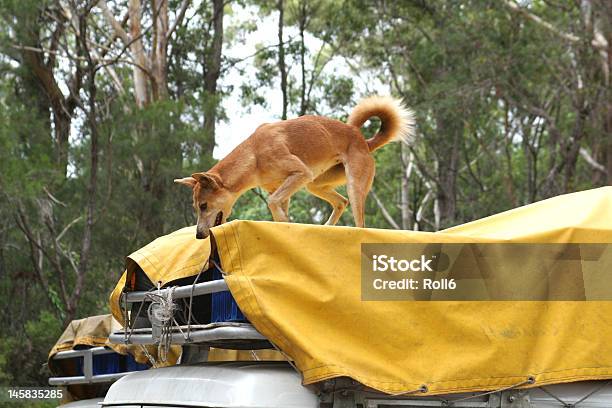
[196,336]
[80,353]
[86,380]
[185,291]
[88,376]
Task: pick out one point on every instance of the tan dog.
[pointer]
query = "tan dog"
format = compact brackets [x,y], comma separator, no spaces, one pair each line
[311,151]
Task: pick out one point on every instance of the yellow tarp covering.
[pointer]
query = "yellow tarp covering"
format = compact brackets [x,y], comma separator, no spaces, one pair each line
[585,216]
[300,286]
[92,331]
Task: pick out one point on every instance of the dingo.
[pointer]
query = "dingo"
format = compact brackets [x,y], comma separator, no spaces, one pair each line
[311,151]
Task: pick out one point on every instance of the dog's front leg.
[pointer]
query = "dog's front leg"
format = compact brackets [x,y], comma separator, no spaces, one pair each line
[278,202]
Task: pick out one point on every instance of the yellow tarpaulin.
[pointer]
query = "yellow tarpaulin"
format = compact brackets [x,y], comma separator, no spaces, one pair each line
[585,216]
[300,286]
[92,331]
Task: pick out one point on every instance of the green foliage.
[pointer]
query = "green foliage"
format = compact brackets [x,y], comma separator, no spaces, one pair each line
[23,354]
[503,107]
[25,160]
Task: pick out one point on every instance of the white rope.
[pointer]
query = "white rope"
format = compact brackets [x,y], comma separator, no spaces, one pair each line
[161,314]
[162,307]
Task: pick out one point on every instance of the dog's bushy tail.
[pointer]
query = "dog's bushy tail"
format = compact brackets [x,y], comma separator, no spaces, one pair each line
[397,121]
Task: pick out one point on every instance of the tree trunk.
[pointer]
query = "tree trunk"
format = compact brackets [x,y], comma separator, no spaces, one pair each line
[62,112]
[136,47]
[573,149]
[529,142]
[281,57]
[448,159]
[608,139]
[212,71]
[405,189]
[302,27]
[605,16]
[159,58]
[92,186]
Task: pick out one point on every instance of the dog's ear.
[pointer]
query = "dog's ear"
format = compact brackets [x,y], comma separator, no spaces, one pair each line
[187,181]
[208,180]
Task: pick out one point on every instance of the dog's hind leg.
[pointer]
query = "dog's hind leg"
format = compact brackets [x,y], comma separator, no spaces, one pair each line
[285,206]
[278,202]
[360,168]
[324,187]
[327,193]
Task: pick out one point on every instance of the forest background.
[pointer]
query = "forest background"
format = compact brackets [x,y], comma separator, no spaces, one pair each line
[104,102]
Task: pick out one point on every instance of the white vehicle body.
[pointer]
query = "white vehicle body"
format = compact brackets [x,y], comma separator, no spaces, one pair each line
[277,385]
[235,385]
[88,403]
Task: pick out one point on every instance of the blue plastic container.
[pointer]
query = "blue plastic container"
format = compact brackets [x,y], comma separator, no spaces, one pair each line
[224,307]
[106,364]
[112,364]
[133,365]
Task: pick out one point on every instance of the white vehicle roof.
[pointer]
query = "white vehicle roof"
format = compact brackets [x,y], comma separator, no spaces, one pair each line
[227,385]
[277,385]
[88,403]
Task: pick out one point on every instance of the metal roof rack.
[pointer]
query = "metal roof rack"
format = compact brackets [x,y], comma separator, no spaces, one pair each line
[232,335]
[88,376]
[220,335]
[179,292]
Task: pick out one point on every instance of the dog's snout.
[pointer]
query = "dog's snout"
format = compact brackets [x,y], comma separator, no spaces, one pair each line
[202,233]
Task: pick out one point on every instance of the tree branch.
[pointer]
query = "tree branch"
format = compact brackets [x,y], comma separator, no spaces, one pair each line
[539,21]
[591,161]
[179,17]
[384,210]
[37,254]
[110,18]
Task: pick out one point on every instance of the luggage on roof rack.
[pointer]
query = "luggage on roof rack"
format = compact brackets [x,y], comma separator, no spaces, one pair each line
[204,313]
[171,276]
[85,362]
[222,325]
[95,365]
